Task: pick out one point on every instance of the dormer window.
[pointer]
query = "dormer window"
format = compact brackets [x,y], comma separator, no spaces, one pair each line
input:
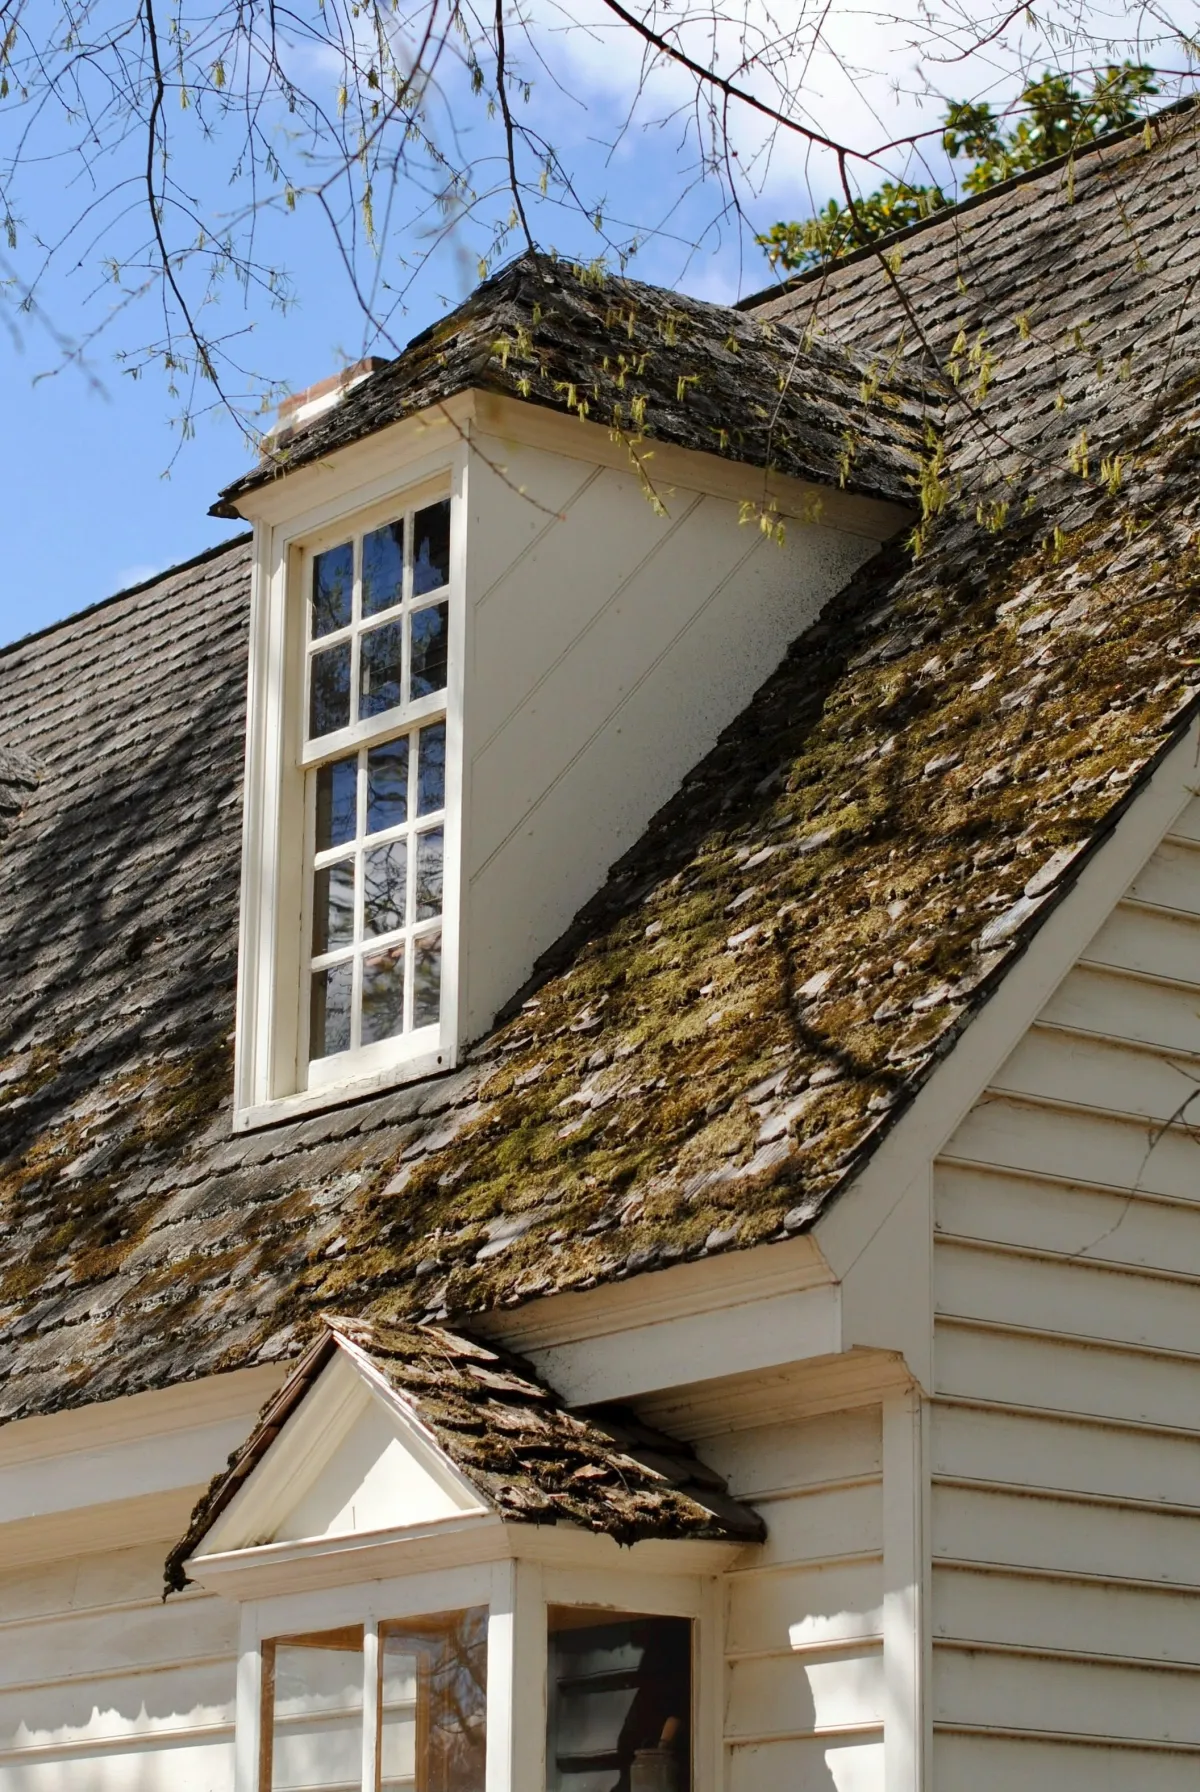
[351,875]
[376,670]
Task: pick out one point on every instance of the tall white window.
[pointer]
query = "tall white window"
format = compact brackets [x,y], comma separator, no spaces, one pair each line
[376,663]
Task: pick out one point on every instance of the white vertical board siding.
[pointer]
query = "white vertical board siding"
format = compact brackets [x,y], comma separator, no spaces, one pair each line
[1065,1449]
[804,1701]
[607,649]
[103,1688]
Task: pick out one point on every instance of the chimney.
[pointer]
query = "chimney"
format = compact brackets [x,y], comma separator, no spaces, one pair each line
[296,412]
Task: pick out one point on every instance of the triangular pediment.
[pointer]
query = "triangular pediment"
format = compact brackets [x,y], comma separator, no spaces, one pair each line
[349,1460]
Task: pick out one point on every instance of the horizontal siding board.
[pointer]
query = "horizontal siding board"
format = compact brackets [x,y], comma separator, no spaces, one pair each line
[1187,825]
[87,1583]
[1021,1531]
[1067,1295]
[1094,1074]
[834,1447]
[820,1764]
[1145,940]
[1140,1624]
[968,1443]
[123,1642]
[1120,1006]
[1066,1377]
[815,1527]
[1032,1693]
[197,1765]
[1002,1764]
[1098,1225]
[790,1696]
[1170,878]
[1092,1147]
[118,1706]
[801,1607]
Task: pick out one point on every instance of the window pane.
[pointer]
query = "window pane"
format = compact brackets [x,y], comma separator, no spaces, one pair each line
[385,877]
[329,1029]
[431,769]
[434,1703]
[332,589]
[333,906]
[430,636]
[620,1703]
[383,568]
[431,548]
[383,994]
[427,979]
[380,669]
[387,785]
[429,874]
[316,1715]
[337,802]
[329,697]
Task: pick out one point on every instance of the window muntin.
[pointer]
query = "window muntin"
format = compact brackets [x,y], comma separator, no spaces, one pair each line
[429,1700]
[376,677]
[619,1709]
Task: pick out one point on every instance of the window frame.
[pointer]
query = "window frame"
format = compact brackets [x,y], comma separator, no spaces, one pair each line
[518,1592]
[273,1078]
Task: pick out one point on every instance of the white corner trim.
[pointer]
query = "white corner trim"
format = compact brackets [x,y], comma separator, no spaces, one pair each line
[958,1082]
[907,1724]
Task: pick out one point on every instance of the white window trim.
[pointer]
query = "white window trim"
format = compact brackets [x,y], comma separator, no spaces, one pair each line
[517,1590]
[270,1082]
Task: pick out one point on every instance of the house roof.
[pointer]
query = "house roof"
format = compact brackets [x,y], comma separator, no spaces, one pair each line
[732,1026]
[649,363]
[506,1432]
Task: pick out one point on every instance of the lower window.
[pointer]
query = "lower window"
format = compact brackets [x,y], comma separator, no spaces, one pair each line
[619,1702]
[405,1708]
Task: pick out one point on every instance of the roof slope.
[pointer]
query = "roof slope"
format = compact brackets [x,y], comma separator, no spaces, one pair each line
[506,1432]
[769,976]
[647,362]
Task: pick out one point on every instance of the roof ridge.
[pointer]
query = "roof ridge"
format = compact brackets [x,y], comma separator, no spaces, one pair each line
[103,603]
[972,202]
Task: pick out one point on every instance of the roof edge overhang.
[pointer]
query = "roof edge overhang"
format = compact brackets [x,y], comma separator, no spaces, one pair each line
[462,1542]
[441,428]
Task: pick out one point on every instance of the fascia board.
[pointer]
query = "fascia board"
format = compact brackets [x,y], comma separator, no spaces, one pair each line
[656,1296]
[269,1569]
[689,469]
[390,453]
[857,1216]
[342,477]
[465,1541]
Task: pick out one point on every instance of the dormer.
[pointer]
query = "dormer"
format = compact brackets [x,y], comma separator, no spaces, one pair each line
[508,589]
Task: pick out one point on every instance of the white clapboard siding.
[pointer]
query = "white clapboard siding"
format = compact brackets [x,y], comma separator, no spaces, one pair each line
[994,1763]
[804,1701]
[815,1764]
[1065,1433]
[103,1688]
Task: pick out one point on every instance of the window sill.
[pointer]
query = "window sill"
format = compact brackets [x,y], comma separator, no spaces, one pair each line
[334,1095]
